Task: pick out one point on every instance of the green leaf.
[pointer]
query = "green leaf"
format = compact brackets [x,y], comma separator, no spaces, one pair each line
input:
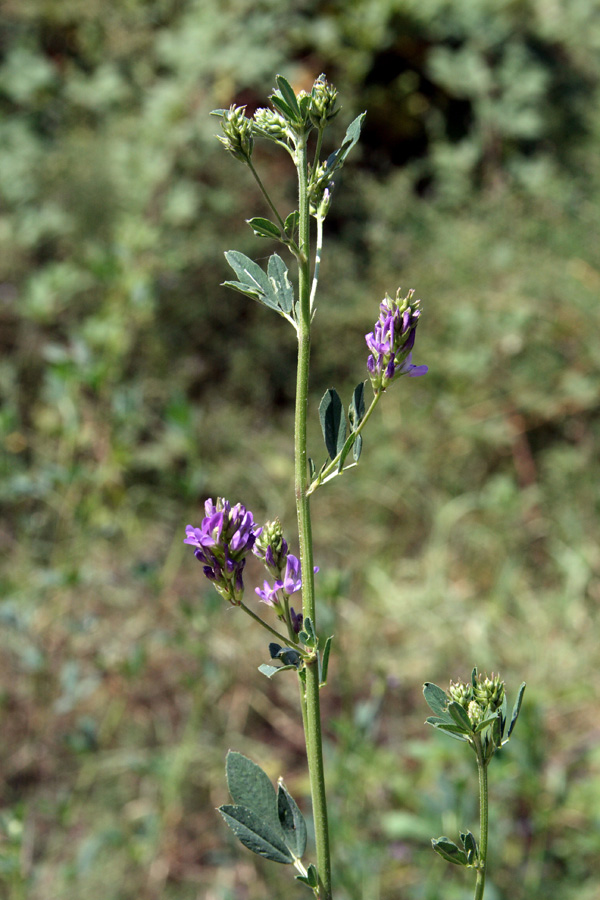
[292,822]
[516,709]
[449,851]
[453,731]
[333,422]
[474,681]
[460,716]
[270,671]
[280,283]
[255,834]
[290,657]
[282,107]
[250,787]
[357,448]
[218,112]
[325,660]
[489,721]
[287,655]
[291,223]
[264,228]
[346,450]
[244,289]
[287,93]
[311,878]
[336,160]
[470,845]
[311,467]
[309,628]
[356,410]
[437,700]
[252,280]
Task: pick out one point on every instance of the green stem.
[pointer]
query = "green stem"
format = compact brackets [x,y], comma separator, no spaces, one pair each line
[266,196]
[285,640]
[312,717]
[482,765]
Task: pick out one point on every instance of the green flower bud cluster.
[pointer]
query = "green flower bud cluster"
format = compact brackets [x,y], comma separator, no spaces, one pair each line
[237,130]
[271,547]
[480,698]
[319,189]
[271,124]
[322,102]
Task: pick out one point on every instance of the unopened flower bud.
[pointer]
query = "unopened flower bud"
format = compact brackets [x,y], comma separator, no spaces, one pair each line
[271,124]
[322,102]
[237,133]
[271,547]
[489,692]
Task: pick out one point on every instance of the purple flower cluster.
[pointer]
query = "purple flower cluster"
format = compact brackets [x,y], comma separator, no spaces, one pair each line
[392,340]
[223,542]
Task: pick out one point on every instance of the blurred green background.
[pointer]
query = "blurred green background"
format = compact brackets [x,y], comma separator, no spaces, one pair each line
[133,387]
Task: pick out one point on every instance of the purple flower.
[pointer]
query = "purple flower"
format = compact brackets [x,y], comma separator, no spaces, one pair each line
[297,620]
[269,595]
[292,579]
[392,340]
[222,543]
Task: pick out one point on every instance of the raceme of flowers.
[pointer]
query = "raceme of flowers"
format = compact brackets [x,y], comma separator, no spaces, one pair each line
[223,542]
[392,341]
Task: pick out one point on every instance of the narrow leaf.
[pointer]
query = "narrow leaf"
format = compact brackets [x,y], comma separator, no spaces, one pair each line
[357,449]
[333,422]
[264,228]
[311,467]
[292,822]
[255,834]
[281,285]
[336,160]
[460,716]
[282,107]
[449,851]
[489,721]
[516,709]
[291,223]
[356,410]
[453,731]
[250,787]
[470,845]
[287,92]
[311,878]
[325,660]
[346,450]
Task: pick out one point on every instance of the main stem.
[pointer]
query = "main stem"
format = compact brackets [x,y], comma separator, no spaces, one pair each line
[311,708]
[482,765]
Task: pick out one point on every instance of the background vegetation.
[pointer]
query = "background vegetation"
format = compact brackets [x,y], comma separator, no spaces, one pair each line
[133,386]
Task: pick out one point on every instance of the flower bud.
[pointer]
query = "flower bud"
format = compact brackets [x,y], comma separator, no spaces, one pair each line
[270,124]
[271,547]
[322,102]
[238,133]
